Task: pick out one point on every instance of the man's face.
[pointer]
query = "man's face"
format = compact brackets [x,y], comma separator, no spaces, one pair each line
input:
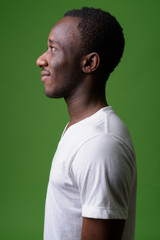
[61,71]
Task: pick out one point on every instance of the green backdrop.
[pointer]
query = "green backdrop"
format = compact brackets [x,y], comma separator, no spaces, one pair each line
[31,124]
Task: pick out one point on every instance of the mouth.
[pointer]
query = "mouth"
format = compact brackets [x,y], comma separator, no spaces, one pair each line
[44,74]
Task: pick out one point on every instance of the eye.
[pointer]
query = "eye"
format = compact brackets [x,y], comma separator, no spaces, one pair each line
[53,48]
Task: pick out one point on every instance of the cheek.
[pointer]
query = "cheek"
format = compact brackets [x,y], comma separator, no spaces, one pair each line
[58,63]
[64,70]
[58,76]
[60,69]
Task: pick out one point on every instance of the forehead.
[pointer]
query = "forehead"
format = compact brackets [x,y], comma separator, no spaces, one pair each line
[65,31]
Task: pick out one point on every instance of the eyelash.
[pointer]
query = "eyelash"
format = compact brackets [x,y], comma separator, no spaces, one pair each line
[51,48]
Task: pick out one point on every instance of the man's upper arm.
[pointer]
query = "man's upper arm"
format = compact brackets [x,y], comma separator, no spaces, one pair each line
[100,229]
[103,173]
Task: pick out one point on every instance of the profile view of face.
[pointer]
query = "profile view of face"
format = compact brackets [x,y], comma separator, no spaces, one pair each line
[60,64]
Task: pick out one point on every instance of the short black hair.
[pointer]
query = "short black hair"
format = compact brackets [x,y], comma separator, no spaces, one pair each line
[101,33]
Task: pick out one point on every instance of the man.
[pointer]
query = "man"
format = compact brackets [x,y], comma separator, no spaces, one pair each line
[91,192]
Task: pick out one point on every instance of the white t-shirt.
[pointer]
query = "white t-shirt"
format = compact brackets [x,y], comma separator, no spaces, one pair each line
[93,175]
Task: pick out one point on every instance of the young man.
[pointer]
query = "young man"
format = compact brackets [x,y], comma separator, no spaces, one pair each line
[91,192]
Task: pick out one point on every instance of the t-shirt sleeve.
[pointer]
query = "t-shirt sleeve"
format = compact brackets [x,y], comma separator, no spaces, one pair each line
[103,170]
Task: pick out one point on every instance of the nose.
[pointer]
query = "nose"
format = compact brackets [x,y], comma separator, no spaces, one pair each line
[42,61]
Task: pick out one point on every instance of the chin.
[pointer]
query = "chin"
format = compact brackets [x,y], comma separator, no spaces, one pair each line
[53,94]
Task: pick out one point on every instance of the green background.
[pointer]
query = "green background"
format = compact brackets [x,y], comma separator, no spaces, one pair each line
[31,124]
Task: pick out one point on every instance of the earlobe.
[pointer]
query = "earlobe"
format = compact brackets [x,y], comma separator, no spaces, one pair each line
[90,62]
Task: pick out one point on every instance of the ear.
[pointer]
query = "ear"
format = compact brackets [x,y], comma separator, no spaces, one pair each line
[90,62]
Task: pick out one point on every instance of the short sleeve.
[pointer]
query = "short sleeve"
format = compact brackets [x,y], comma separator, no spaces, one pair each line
[103,170]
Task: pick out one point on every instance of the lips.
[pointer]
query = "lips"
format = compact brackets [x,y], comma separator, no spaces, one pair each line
[45,73]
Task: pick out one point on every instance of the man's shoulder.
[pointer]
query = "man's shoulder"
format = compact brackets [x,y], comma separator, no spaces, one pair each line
[99,132]
[105,144]
[104,128]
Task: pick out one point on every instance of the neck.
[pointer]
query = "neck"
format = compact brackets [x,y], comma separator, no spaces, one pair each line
[85,103]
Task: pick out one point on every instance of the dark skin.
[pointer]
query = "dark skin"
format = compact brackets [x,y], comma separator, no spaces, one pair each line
[76,78]
[100,229]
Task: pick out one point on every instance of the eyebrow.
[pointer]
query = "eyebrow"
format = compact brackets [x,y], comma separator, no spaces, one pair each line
[52,41]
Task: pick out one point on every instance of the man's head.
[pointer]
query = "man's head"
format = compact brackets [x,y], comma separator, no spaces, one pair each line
[86,42]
